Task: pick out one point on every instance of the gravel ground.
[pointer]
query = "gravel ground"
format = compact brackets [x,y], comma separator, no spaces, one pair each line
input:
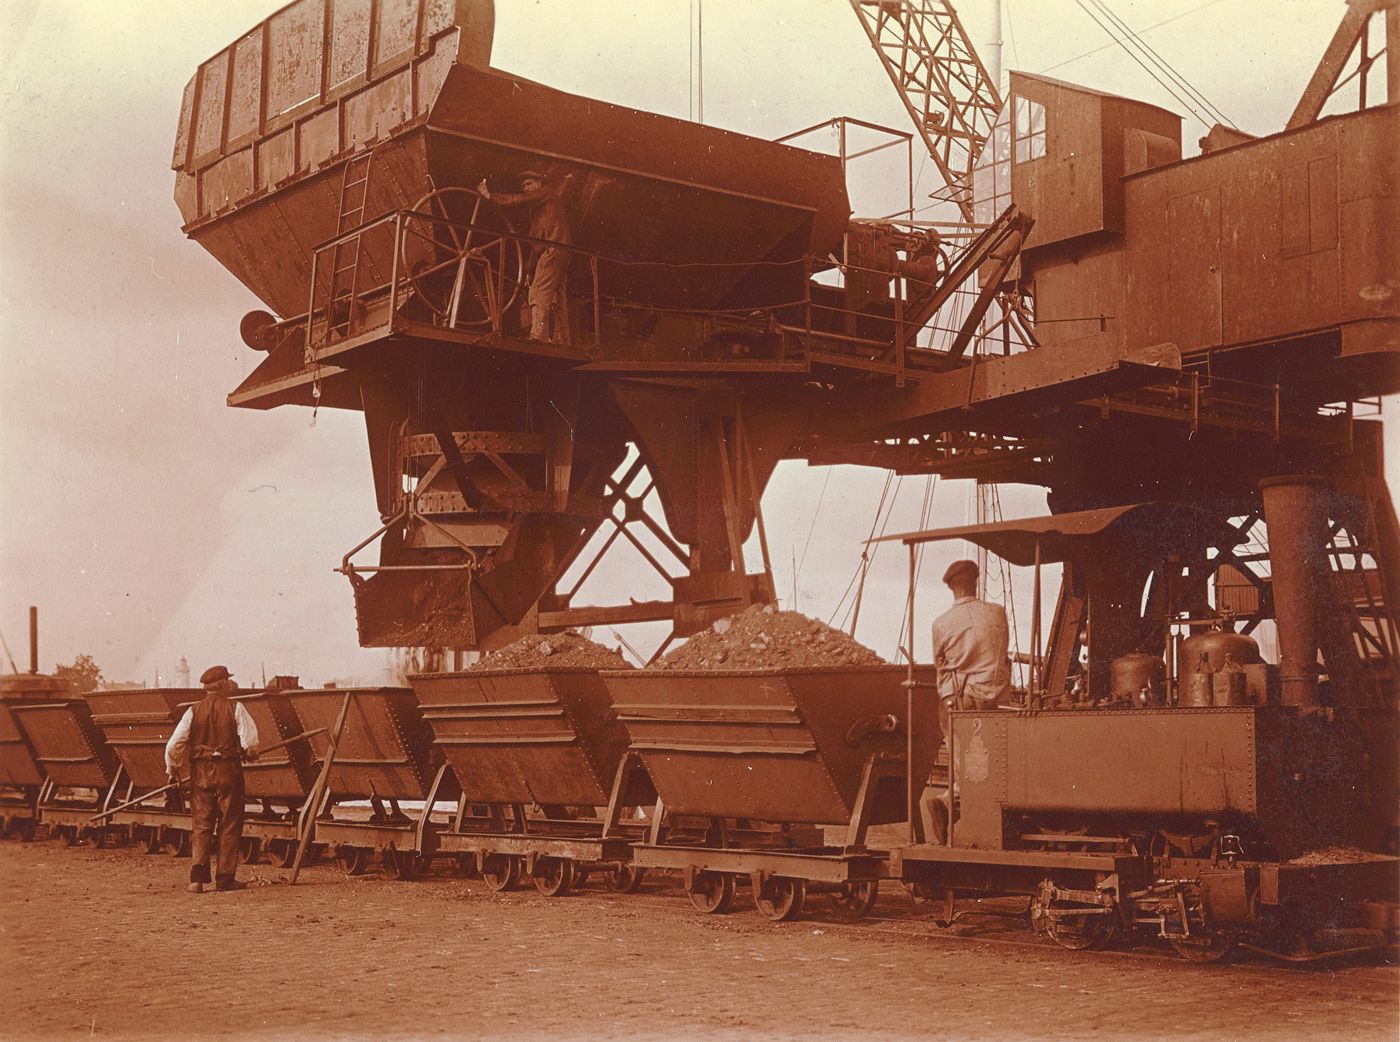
[108,945]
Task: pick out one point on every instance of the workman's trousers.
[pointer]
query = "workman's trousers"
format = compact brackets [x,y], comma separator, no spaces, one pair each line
[216,805]
[548,297]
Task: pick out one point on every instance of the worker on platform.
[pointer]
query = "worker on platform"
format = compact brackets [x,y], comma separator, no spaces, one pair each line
[971,645]
[549,273]
[209,744]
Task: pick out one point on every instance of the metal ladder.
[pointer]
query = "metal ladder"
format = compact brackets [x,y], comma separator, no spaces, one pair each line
[345,258]
[1361,592]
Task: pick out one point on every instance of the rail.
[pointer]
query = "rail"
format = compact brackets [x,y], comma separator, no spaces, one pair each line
[465,276]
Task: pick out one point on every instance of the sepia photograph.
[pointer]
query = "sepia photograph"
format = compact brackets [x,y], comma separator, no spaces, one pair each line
[735,520]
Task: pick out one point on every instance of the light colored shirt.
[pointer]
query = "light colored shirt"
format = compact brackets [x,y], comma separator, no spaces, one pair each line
[971,641]
[180,737]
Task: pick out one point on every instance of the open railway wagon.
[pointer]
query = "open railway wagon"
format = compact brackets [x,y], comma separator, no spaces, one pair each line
[788,747]
[80,770]
[379,758]
[137,725]
[540,750]
[21,777]
[1183,787]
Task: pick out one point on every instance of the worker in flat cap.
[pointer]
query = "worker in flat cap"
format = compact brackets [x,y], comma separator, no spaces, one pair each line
[208,746]
[971,642]
[548,298]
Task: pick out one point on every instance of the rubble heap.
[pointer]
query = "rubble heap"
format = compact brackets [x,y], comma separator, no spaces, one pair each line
[764,638]
[556,651]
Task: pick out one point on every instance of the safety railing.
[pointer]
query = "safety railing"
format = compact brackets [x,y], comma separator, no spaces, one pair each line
[410,266]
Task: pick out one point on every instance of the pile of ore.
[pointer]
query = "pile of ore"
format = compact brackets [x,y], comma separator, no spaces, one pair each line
[1338,855]
[764,638]
[555,651]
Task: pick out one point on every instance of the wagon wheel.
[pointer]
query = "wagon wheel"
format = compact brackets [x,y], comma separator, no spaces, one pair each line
[354,860]
[433,252]
[855,899]
[501,872]
[21,827]
[780,898]
[625,879]
[403,865]
[554,876]
[175,842]
[1218,944]
[283,852]
[95,837]
[66,834]
[464,867]
[712,892]
[148,840]
[250,850]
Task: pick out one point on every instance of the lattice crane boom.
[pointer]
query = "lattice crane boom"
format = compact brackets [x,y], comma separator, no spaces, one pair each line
[951,98]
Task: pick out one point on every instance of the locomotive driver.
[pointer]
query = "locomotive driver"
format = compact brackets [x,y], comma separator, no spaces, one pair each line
[971,644]
[210,742]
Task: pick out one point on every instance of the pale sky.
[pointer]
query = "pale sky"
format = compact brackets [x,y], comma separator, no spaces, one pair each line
[149,521]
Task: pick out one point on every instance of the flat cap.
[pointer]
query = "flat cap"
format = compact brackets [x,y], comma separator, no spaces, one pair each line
[214,674]
[960,571]
[532,175]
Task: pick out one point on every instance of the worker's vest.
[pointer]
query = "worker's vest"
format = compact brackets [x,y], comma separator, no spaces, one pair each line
[214,730]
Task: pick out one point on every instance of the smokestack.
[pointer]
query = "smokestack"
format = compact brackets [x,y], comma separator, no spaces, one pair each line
[33,639]
[994,47]
[1295,509]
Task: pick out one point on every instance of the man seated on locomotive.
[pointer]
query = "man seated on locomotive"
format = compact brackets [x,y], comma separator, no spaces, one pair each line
[971,645]
[547,299]
[210,742]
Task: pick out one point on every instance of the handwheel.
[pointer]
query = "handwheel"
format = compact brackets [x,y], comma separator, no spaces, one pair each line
[855,899]
[554,876]
[712,892]
[625,879]
[780,898]
[354,860]
[250,850]
[467,226]
[501,872]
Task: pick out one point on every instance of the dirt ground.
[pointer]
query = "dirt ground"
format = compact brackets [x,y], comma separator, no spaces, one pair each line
[108,945]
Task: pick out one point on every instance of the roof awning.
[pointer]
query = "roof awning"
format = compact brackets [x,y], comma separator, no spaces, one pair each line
[1161,527]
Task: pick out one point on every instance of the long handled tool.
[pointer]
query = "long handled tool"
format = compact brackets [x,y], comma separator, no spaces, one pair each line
[175,785]
[318,790]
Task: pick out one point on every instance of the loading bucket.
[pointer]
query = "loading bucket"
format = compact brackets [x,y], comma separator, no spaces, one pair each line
[385,748]
[17,764]
[781,745]
[286,773]
[67,745]
[137,724]
[538,735]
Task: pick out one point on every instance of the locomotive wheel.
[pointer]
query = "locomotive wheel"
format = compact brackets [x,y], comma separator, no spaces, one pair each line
[712,892]
[1081,933]
[780,898]
[1219,945]
[501,872]
[855,899]
[354,860]
[554,876]
[250,850]
[626,879]
[175,842]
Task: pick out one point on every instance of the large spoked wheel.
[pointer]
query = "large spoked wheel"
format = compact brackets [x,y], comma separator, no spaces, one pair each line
[501,872]
[780,898]
[625,879]
[462,261]
[353,860]
[712,892]
[855,899]
[554,876]
[1214,947]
